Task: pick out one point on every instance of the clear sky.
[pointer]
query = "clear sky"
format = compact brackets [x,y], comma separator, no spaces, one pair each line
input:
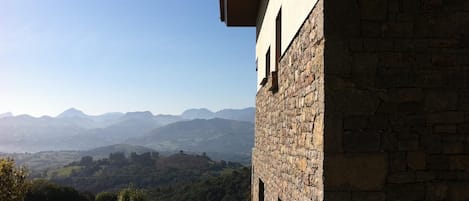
[122,55]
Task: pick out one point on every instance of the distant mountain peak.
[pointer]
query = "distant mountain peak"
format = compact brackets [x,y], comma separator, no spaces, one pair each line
[72,112]
[246,114]
[144,114]
[8,114]
[201,113]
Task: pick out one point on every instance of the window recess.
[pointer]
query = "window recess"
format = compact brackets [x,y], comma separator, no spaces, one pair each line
[278,51]
[267,68]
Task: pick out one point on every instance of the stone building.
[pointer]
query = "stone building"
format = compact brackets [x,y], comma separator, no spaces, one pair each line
[359,100]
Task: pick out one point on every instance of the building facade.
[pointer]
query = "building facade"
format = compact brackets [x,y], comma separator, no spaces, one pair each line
[359,100]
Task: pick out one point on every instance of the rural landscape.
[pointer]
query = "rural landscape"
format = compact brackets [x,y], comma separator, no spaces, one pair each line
[234,100]
[198,155]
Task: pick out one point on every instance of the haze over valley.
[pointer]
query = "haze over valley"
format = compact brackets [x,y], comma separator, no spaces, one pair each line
[225,132]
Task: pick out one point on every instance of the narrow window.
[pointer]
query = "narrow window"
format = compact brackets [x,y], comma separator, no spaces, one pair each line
[267,63]
[278,38]
[257,65]
[278,51]
[267,67]
[261,190]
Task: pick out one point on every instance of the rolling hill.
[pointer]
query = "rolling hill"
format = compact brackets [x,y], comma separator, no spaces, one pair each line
[200,135]
[198,130]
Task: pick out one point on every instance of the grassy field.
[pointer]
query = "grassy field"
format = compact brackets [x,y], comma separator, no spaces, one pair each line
[63,172]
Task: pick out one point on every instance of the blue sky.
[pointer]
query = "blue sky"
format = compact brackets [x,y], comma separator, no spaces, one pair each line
[122,55]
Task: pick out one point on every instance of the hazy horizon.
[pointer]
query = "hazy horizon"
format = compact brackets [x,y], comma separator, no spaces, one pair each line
[120,56]
[123,112]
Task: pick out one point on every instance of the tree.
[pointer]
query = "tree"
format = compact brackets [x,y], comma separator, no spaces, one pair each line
[131,194]
[223,163]
[106,196]
[41,190]
[86,160]
[13,184]
[117,159]
[155,155]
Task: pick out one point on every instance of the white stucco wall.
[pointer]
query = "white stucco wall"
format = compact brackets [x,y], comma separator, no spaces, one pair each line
[294,13]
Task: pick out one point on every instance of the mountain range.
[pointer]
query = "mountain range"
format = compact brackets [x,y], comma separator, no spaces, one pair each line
[8,114]
[200,135]
[229,131]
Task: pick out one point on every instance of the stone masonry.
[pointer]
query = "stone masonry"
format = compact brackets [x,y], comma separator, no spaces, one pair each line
[288,154]
[372,105]
[396,100]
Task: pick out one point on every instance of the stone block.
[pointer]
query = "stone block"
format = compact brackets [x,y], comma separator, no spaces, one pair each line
[352,102]
[401,178]
[430,78]
[388,77]
[407,138]
[445,60]
[416,160]
[425,176]
[410,6]
[405,192]
[348,172]
[389,141]
[432,143]
[373,9]
[393,6]
[463,175]
[440,100]
[437,162]
[368,196]
[378,44]
[464,101]
[437,191]
[372,28]
[337,196]
[302,164]
[342,19]
[445,129]
[408,145]
[459,162]
[355,122]
[447,176]
[356,44]
[458,191]
[445,43]
[432,4]
[402,95]
[333,133]
[364,69]
[318,132]
[398,29]
[362,141]
[406,45]
[379,122]
[340,63]
[395,60]
[452,117]
[458,5]
[403,120]
[453,147]
[338,82]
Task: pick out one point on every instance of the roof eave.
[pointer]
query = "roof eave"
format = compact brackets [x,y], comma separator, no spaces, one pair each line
[239,12]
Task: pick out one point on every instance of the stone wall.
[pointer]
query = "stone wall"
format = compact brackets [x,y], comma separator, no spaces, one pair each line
[288,153]
[396,100]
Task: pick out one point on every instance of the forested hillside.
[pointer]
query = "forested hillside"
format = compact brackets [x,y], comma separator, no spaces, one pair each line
[148,170]
[139,177]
